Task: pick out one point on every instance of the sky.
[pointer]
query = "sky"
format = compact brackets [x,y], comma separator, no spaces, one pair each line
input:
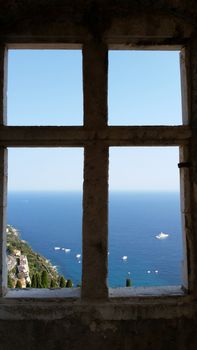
[45,88]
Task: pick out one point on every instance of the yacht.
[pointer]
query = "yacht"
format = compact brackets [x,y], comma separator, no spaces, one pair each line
[124,257]
[162,235]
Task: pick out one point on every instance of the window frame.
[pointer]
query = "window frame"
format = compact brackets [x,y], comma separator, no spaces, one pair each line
[96,137]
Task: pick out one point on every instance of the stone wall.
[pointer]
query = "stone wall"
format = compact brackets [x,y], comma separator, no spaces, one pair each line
[96,321]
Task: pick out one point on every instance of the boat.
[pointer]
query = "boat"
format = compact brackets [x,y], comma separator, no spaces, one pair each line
[124,257]
[162,235]
[67,250]
[78,256]
[57,248]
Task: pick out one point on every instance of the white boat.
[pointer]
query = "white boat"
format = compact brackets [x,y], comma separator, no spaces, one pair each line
[162,235]
[78,256]
[57,248]
[67,250]
[124,257]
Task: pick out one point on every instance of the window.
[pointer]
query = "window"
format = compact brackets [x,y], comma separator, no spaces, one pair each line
[45,87]
[145,235]
[95,136]
[45,206]
[141,87]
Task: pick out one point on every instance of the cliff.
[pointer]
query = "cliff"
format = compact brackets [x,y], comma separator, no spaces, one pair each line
[27,268]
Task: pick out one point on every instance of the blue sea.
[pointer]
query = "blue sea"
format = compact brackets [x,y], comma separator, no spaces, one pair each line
[54,219]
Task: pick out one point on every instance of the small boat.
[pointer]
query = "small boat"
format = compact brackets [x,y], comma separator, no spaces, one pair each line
[57,248]
[162,235]
[124,257]
[78,256]
[67,250]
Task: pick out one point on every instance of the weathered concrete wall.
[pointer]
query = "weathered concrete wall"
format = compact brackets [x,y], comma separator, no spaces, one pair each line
[117,335]
[133,325]
[142,323]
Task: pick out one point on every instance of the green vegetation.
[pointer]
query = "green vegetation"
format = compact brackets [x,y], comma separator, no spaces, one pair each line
[36,281]
[62,282]
[10,282]
[33,281]
[44,279]
[53,284]
[128,282]
[69,284]
[41,272]
[37,263]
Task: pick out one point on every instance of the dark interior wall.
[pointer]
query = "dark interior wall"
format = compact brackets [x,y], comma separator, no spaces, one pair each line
[38,19]
[127,335]
[134,22]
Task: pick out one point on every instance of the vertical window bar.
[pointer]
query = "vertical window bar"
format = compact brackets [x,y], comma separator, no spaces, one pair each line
[95,64]
[192,239]
[192,156]
[3,85]
[3,174]
[95,200]
[185,173]
[184,86]
[185,212]
[95,221]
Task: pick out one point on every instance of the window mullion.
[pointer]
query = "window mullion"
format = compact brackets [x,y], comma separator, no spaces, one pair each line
[3,205]
[95,222]
[3,175]
[3,84]
[95,64]
[192,158]
[95,197]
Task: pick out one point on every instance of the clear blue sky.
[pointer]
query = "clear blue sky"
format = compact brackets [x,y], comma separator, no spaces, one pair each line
[45,88]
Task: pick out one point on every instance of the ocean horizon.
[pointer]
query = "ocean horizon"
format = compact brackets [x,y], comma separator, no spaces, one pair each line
[49,219]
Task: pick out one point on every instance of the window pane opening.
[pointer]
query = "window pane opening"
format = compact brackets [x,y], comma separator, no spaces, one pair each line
[45,87]
[44,218]
[145,234]
[144,88]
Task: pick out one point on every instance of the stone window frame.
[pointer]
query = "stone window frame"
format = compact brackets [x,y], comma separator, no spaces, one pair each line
[95,136]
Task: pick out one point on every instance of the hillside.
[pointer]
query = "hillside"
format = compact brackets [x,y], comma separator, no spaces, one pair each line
[27,268]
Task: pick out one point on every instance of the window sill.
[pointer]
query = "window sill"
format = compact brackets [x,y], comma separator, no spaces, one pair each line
[43,293]
[130,292]
[75,293]
[123,304]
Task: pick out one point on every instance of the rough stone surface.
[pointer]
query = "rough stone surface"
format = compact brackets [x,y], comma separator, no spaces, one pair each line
[122,322]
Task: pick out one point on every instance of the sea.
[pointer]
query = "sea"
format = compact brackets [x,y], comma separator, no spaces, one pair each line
[49,220]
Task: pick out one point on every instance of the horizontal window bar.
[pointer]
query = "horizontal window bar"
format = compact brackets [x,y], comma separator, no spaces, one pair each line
[43,136]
